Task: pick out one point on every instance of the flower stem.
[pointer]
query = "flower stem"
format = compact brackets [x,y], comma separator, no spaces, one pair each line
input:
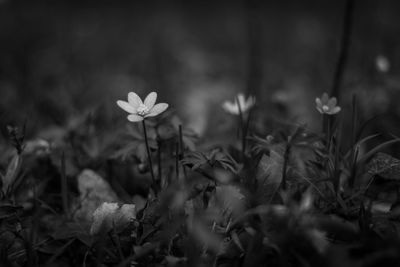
[148,153]
[326,121]
[182,150]
[243,128]
[285,165]
[159,144]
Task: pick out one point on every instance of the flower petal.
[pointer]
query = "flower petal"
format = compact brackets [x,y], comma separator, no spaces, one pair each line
[241,100]
[250,102]
[125,106]
[134,118]
[335,110]
[134,100]
[230,107]
[325,98]
[157,109]
[318,105]
[332,102]
[150,100]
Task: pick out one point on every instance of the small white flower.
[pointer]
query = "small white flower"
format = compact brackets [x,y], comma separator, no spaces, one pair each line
[240,101]
[142,109]
[109,215]
[326,105]
[382,63]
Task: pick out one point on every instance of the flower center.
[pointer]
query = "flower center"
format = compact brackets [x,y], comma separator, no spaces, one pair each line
[142,110]
[325,108]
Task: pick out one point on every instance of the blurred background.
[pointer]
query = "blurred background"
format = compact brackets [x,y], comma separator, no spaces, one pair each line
[59,59]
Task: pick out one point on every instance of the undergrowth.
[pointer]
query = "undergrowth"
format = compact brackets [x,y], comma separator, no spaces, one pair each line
[155,194]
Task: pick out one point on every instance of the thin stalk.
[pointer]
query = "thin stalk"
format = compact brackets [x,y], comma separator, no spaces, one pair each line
[285,164]
[242,127]
[148,153]
[353,174]
[116,242]
[64,186]
[326,122]
[177,160]
[354,121]
[354,148]
[336,167]
[246,128]
[182,150]
[159,144]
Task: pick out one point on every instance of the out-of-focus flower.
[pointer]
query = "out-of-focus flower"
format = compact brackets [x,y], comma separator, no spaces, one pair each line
[326,105]
[109,215]
[382,63]
[138,109]
[240,101]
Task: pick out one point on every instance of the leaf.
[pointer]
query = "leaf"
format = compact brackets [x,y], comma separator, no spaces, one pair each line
[174,261]
[229,199]
[204,236]
[72,230]
[194,160]
[8,210]
[385,166]
[11,173]
[189,143]
[269,175]
[236,241]
[377,149]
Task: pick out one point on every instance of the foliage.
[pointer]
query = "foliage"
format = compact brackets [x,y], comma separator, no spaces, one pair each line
[291,198]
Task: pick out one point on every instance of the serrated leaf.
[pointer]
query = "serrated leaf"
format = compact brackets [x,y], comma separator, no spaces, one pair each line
[385,166]
[269,175]
[377,149]
[230,199]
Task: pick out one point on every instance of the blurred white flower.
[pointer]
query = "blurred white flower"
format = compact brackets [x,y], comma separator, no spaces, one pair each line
[382,63]
[142,109]
[240,101]
[109,215]
[326,105]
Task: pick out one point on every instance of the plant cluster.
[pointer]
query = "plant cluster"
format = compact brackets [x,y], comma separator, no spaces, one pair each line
[155,194]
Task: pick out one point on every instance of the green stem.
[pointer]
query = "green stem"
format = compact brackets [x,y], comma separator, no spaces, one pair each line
[242,127]
[285,164]
[159,144]
[177,160]
[182,150]
[148,153]
[326,121]
[64,186]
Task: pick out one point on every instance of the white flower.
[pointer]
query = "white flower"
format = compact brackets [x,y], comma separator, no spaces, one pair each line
[382,63]
[326,105]
[245,105]
[109,215]
[142,109]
